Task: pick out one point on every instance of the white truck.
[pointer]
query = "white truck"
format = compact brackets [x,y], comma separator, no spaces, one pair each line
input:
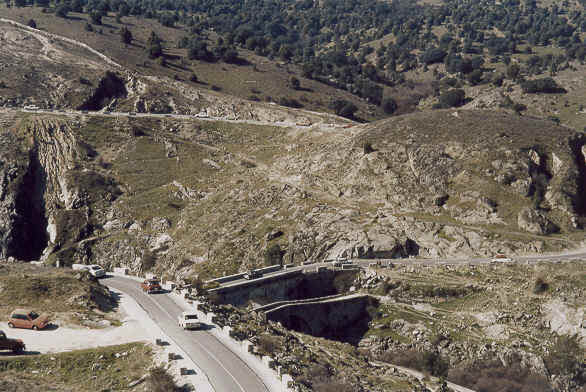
[189,320]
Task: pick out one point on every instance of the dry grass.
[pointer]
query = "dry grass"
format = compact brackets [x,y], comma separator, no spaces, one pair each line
[82,370]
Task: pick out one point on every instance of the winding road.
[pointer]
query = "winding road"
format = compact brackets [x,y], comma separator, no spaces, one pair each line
[224,369]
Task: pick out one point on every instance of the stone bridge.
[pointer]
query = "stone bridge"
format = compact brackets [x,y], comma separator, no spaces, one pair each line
[283,286]
[266,289]
[341,318]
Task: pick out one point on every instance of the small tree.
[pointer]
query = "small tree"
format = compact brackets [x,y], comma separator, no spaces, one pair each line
[32,23]
[62,11]
[389,105]
[125,35]
[96,17]
[294,83]
[193,78]
[273,255]
[452,98]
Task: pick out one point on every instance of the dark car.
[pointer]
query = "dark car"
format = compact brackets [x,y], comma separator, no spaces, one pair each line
[15,345]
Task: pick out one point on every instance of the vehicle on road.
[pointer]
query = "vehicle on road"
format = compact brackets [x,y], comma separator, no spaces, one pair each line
[500,258]
[202,115]
[31,107]
[151,286]
[15,345]
[26,318]
[189,320]
[94,269]
[132,114]
[252,274]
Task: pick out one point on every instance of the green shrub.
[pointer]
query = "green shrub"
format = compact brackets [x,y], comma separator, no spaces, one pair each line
[159,380]
[540,286]
[564,356]
[273,255]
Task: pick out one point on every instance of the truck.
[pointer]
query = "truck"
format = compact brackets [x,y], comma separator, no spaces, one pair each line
[17,346]
[189,320]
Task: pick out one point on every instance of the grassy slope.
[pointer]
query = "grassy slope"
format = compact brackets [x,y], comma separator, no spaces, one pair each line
[83,370]
[49,290]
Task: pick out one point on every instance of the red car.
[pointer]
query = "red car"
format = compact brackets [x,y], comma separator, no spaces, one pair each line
[151,286]
[25,318]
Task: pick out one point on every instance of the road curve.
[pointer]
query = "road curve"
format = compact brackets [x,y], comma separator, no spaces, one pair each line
[224,369]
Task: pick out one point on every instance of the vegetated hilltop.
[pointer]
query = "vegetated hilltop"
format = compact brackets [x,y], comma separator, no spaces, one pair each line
[366,60]
[191,197]
[55,72]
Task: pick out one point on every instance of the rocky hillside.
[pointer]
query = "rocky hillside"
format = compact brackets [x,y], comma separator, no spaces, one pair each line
[203,197]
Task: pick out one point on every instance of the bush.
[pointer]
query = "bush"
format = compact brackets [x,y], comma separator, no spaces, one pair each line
[492,376]
[294,83]
[452,98]
[62,11]
[540,286]
[268,344]
[433,55]
[193,78]
[159,380]
[290,102]
[428,361]
[32,23]
[564,356]
[543,85]
[389,105]
[273,255]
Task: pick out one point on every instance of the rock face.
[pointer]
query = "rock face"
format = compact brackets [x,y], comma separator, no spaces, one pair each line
[197,198]
[535,222]
[47,191]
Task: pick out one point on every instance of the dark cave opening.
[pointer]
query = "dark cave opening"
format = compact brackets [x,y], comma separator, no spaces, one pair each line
[30,224]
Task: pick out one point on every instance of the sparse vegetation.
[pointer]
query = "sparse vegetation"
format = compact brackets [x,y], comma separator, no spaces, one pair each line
[111,367]
[160,380]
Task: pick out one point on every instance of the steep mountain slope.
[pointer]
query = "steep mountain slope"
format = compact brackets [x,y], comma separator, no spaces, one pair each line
[190,196]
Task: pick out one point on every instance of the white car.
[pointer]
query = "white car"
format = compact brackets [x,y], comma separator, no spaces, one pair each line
[96,270]
[189,320]
[501,259]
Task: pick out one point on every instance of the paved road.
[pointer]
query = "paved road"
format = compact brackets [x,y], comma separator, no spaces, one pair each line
[531,259]
[226,371]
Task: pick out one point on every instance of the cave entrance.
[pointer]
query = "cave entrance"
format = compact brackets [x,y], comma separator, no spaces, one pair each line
[30,225]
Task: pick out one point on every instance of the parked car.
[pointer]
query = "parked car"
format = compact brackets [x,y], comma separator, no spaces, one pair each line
[252,274]
[151,286]
[189,320]
[26,318]
[15,345]
[501,259]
